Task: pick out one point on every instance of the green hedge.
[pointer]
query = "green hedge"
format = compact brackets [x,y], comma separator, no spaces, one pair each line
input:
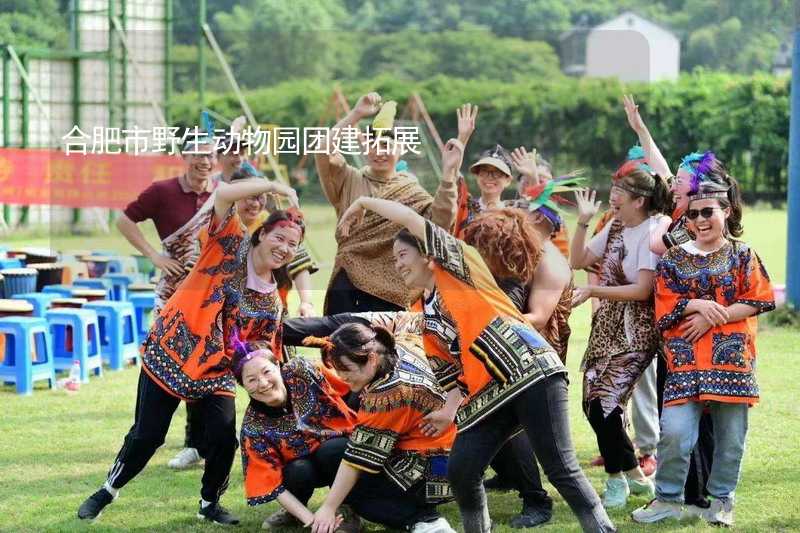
[574,122]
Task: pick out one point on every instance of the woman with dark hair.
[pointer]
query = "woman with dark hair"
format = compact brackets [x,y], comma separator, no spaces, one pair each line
[708,293]
[392,472]
[293,434]
[488,358]
[187,355]
[623,339]
[253,211]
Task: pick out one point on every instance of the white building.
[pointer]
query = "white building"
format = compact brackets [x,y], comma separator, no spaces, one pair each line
[627,47]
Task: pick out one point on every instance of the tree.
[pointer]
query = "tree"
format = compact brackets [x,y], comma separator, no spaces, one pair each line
[32,23]
[273,40]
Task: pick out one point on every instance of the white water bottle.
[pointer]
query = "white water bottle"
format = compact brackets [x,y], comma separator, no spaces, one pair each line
[74,380]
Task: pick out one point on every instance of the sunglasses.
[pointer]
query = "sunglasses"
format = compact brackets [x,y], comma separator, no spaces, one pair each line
[706,212]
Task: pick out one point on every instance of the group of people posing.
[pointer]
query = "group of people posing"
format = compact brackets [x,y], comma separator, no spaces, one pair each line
[444,336]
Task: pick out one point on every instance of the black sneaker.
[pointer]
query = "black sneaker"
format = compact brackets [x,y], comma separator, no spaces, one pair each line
[94,504]
[531,517]
[217,514]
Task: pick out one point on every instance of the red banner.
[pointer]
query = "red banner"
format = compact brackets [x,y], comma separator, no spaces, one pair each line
[35,176]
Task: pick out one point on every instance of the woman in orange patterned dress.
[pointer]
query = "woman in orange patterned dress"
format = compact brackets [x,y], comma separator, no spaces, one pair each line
[230,292]
[708,293]
[294,431]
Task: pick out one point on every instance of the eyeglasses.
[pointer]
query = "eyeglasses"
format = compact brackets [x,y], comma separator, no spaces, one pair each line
[706,212]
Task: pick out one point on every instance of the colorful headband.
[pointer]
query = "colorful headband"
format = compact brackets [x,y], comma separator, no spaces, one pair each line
[700,171]
[723,195]
[544,194]
[244,359]
[631,189]
[289,224]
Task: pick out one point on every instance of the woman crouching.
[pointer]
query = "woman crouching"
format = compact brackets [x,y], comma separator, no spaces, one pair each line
[392,473]
[293,433]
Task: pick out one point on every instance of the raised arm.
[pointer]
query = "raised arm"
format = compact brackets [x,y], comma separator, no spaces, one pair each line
[392,211]
[229,193]
[579,254]
[651,152]
[445,202]
[452,155]
[367,105]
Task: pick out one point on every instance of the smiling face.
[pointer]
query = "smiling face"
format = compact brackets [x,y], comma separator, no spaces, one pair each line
[232,160]
[262,380]
[357,377]
[249,208]
[708,231]
[411,265]
[200,162]
[278,246]
[680,189]
[492,181]
[626,207]
[382,156]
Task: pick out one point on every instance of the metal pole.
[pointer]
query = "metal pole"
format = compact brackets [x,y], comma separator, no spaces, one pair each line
[168,62]
[76,83]
[124,64]
[6,99]
[793,237]
[201,56]
[112,70]
[6,119]
[26,123]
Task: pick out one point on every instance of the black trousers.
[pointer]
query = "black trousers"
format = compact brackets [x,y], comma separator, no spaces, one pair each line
[344,297]
[379,499]
[154,410]
[516,464]
[542,410]
[302,476]
[702,456]
[195,429]
[612,439]
[374,497]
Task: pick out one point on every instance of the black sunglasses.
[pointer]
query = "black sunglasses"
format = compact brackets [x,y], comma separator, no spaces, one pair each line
[706,212]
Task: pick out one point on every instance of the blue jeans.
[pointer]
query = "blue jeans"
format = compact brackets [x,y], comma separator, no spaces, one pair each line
[679,431]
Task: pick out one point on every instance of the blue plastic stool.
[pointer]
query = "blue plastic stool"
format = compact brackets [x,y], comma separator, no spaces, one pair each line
[119,285]
[93,283]
[143,303]
[26,336]
[85,340]
[10,263]
[61,291]
[119,341]
[40,300]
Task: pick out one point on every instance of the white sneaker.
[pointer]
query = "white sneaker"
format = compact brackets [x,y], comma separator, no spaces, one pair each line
[186,458]
[720,513]
[656,511]
[440,525]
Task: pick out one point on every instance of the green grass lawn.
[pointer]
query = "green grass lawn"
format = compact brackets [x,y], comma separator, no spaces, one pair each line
[55,447]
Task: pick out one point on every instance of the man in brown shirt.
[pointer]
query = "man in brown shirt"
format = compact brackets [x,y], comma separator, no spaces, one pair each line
[363,277]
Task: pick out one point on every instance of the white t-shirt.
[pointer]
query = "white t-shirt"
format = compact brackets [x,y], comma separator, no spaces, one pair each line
[637,255]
